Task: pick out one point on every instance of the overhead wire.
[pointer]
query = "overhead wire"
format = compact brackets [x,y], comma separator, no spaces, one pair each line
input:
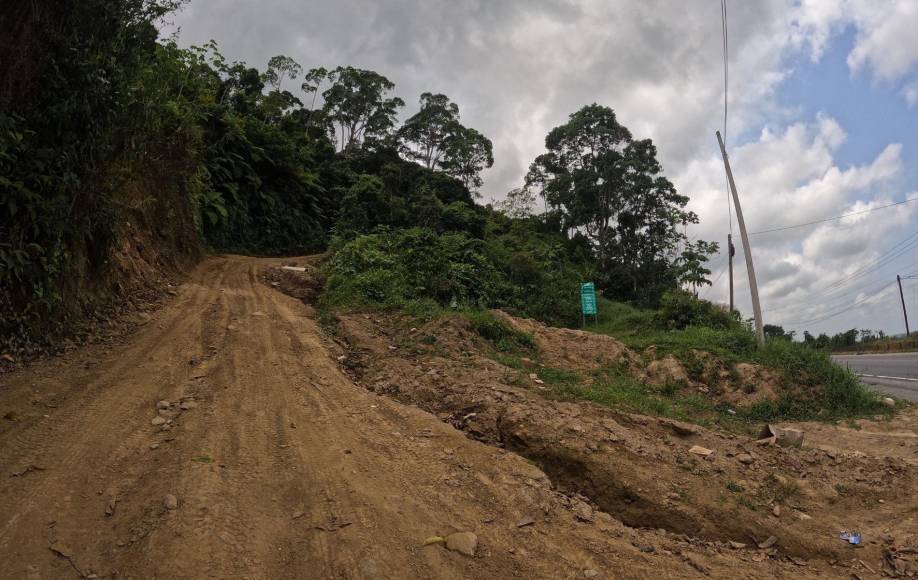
[875,293]
[884,288]
[837,289]
[834,218]
[726,60]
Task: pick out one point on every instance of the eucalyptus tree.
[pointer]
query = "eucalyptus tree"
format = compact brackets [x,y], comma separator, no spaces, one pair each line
[423,137]
[468,153]
[356,110]
[436,139]
[280,67]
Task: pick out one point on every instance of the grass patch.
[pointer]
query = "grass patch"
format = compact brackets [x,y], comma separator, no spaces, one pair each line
[776,490]
[811,385]
[746,503]
[503,336]
[820,388]
[614,387]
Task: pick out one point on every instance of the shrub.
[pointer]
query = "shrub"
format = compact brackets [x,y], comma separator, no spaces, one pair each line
[680,309]
[501,334]
[391,269]
[823,388]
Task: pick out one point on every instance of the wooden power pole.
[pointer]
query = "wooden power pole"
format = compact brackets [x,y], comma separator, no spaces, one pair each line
[902,298]
[747,251]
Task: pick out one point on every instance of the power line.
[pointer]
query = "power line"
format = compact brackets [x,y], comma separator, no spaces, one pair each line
[707,289]
[884,259]
[907,244]
[724,36]
[884,288]
[838,217]
[874,294]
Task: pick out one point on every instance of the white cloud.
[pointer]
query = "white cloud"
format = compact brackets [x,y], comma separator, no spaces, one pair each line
[910,92]
[517,68]
[792,178]
[884,41]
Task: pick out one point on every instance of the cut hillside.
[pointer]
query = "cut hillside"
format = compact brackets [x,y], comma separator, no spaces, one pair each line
[664,458]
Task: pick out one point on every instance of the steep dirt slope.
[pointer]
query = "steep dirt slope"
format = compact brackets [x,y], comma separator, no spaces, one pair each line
[641,469]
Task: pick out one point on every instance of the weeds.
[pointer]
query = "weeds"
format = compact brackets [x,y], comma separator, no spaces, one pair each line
[812,386]
[746,502]
[735,487]
[778,490]
[503,336]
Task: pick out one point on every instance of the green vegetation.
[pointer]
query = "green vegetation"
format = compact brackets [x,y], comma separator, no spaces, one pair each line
[111,138]
[614,387]
[420,269]
[501,334]
[108,135]
[811,385]
[873,341]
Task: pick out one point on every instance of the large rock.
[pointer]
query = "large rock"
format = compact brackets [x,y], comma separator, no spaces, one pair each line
[462,542]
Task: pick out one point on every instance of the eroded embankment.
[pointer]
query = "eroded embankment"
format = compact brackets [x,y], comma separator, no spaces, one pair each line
[638,468]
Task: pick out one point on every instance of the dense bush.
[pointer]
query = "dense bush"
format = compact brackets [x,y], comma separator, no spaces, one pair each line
[69,138]
[395,268]
[680,309]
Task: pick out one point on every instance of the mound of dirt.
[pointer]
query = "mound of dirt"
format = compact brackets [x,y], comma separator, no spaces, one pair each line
[297,278]
[666,370]
[756,384]
[641,470]
[570,349]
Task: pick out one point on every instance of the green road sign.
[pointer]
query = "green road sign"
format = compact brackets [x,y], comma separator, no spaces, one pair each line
[588,298]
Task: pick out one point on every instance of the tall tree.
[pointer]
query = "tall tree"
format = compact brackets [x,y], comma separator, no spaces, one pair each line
[423,137]
[280,67]
[610,188]
[468,152]
[311,84]
[356,110]
[436,139]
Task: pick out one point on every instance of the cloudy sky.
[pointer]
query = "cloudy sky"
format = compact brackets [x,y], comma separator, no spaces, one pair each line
[823,113]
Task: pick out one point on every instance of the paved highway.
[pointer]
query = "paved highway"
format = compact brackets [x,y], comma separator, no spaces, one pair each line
[895,374]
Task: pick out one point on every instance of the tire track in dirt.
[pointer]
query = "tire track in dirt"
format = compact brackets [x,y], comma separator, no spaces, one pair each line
[68,437]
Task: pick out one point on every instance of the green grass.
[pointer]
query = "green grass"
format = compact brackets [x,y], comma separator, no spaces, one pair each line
[811,386]
[615,388]
[503,336]
[775,490]
[735,487]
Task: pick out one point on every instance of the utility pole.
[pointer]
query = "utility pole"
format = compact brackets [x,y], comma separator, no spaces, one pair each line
[747,251]
[730,252]
[902,298]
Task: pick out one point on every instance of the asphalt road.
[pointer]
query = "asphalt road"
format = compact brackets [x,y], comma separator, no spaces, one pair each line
[895,374]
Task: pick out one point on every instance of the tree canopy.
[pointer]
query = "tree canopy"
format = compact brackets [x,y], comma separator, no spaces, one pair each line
[356,109]
[106,131]
[603,184]
[435,138]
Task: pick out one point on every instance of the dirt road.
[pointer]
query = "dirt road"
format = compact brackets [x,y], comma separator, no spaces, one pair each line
[267,461]
[281,467]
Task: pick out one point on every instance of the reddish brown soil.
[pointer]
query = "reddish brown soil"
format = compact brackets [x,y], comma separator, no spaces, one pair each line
[281,466]
[639,469]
